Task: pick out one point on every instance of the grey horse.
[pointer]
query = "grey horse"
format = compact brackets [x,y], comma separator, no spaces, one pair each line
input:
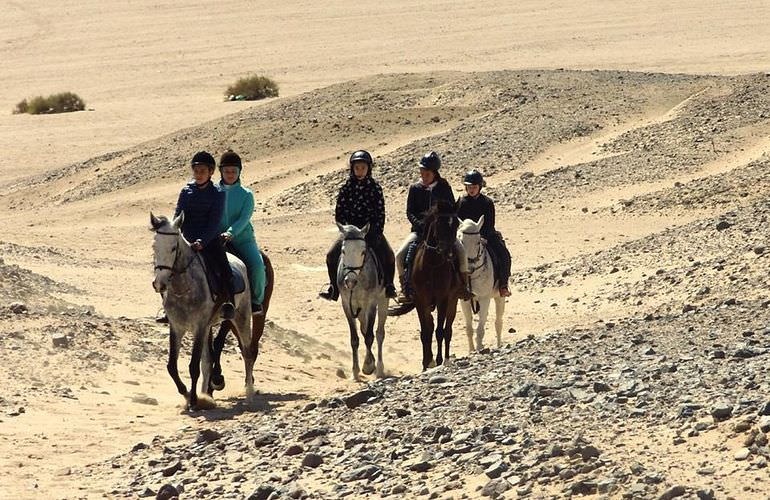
[362,291]
[180,277]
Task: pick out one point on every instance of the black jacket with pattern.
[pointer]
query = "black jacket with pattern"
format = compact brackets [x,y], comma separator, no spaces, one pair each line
[361,202]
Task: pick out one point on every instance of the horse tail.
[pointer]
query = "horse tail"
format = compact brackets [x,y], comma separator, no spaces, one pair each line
[400,309]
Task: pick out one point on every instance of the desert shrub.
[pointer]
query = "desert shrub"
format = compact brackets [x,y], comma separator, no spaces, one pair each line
[252,88]
[63,102]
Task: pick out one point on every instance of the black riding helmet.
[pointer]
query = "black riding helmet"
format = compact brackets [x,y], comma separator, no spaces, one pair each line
[203,158]
[430,161]
[473,177]
[361,155]
[230,159]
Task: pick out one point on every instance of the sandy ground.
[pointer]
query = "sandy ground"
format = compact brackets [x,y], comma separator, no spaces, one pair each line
[148,68]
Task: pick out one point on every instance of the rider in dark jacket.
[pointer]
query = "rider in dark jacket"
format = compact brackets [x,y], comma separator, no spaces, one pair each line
[203,204]
[473,206]
[361,202]
[422,195]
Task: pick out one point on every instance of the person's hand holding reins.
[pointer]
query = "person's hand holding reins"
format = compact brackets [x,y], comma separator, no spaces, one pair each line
[197,245]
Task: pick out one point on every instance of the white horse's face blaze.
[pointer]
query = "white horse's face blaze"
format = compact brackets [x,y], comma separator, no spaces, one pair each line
[353,254]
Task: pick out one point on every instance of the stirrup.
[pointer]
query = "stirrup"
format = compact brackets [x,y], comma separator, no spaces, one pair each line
[504,291]
[257,309]
[329,294]
[227,311]
[390,291]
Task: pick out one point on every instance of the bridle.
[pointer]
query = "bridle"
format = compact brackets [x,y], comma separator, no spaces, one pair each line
[480,253]
[173,267]
[354,270]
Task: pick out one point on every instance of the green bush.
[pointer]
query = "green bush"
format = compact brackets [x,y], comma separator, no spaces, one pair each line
[252,88]
[63,102]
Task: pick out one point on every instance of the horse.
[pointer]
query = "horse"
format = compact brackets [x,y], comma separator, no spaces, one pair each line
[180,278]
[482,274]
[362,292]
[257,329]
[436,283]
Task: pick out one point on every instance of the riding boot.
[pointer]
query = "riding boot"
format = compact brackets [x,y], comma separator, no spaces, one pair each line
[407,292]
[465,293]
[332,261]
[228,308]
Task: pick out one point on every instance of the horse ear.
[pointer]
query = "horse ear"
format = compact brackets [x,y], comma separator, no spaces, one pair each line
[459,220]
[365,229]
[154,221]
[481,221]
[177,223]
[341,227]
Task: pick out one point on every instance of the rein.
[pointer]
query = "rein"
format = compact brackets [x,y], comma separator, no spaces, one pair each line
[480,252]
[355,270]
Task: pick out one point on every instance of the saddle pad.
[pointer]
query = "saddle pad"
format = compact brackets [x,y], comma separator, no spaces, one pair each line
[239,284]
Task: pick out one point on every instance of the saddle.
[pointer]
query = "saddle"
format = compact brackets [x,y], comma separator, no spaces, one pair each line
[217,288]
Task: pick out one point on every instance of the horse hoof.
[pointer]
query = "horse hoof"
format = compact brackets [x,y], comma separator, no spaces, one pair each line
[432,364]
[368,370]
[217,382]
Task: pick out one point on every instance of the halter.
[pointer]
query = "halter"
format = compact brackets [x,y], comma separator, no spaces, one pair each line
[172,267]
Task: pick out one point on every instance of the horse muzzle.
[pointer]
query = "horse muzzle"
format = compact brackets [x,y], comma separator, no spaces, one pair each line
[350,282]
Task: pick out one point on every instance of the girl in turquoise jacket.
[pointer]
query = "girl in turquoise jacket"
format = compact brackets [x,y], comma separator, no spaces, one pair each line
[236,226]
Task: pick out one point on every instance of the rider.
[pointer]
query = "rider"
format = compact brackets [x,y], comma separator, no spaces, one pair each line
[472,206]
[235,227]
[360,201]
[422,194]
[203,204]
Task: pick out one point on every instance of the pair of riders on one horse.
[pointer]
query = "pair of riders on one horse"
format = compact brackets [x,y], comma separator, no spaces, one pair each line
[360,202]
[217,218]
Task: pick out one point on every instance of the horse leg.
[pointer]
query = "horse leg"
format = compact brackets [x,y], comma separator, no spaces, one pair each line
[353,342]
[450,319]
[468,314]
[243,329]
[426,334]
[499,311]
[484,304]
[217,346]
[195,365]
[382,315]
[440,319]
[367,327]
[175,338]
[206,365]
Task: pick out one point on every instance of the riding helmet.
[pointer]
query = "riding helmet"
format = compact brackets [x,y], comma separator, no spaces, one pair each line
[203,158]
[230,159]
[430,161]
[361,155]
[473,177]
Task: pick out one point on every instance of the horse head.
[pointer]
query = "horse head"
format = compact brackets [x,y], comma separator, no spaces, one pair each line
[441,227]
[469,232]
[353,252]
[165,248]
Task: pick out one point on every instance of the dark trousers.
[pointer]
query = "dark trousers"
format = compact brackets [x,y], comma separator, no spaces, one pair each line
[501,257]
[215,257]
[381,248]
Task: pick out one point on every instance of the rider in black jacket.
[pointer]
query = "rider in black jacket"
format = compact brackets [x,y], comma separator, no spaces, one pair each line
[473,206]
[361,202]
[422,194]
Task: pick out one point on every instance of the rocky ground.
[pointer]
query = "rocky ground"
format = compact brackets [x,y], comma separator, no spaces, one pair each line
[633,364]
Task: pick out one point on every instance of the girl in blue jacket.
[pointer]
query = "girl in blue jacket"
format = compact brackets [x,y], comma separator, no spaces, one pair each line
[236,228]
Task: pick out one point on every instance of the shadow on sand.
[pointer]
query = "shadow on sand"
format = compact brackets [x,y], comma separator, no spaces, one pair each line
[229,408]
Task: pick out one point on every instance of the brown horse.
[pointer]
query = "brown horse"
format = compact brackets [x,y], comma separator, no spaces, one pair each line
[257,329]
[436,282]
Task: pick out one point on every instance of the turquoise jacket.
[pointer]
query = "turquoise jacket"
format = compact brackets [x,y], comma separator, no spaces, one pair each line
[239,207]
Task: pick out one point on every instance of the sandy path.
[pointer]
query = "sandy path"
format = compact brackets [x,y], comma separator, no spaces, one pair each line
[148,68]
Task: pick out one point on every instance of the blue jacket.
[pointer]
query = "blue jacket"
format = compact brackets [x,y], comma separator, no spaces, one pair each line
[203,210]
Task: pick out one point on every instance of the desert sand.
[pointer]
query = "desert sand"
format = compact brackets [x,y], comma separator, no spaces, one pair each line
[610,185]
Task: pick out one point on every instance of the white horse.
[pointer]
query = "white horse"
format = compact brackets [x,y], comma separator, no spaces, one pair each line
[180,277]
[482,274]
[362,292]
